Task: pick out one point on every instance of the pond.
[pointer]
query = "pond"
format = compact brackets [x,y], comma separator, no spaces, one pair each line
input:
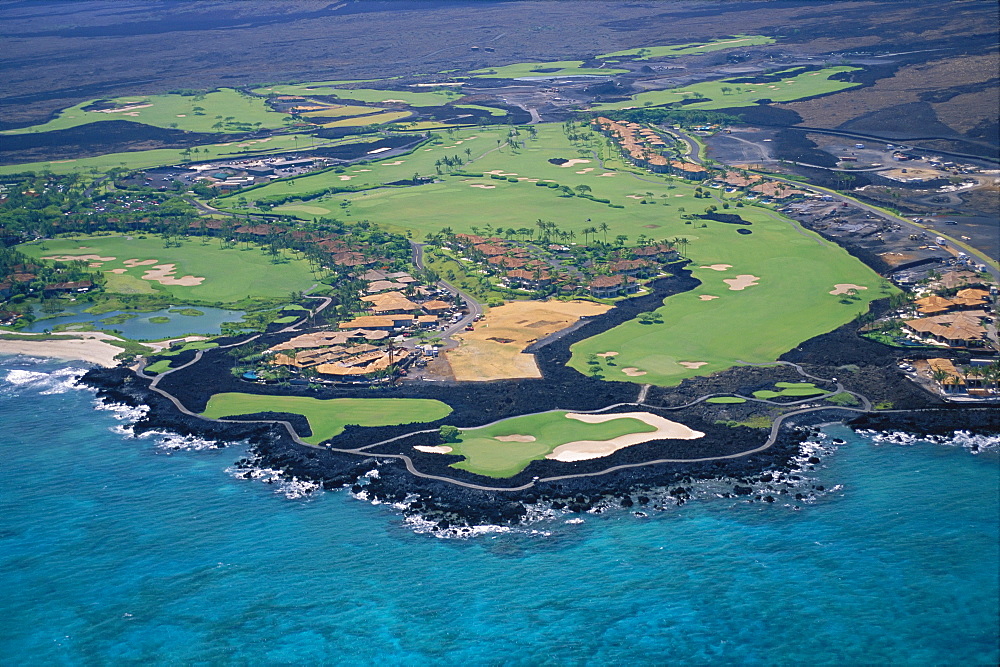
[164,323]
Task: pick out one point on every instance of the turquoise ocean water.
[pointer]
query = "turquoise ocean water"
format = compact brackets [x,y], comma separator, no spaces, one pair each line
[116,549]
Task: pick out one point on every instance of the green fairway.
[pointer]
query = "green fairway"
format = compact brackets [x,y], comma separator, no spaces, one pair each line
[735,42]
[340,110]
[196,113]
[549,69]
[371,119]
[790,302]
[327,418]
[227,275]
[793,87]
[726,399]
[485,455]
[790,390]
[425,98]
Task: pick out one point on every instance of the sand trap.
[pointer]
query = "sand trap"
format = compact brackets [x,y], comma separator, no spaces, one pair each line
[82,258]
[484,187]
[119,271]
[128,108]
[515,438]
[439,449]
[583,450]
[707,297]
[95,265]
[692,364]
[132,263]
[181,115]
[717,267]
[361,171]
[678,195]
[501,172]
[574,162]
[635,197]
[610,173]
[345,178]
[741,282]
[844,288]
[163,274]
[392,164]
[396,101]
[586,171]
[633,372]
[607,354]
[529,180]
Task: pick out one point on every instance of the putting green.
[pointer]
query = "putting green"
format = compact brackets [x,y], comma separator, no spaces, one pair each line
[485,455]
[327,418]
[227,275]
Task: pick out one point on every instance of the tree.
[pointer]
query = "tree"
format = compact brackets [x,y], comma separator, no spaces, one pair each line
[604,228]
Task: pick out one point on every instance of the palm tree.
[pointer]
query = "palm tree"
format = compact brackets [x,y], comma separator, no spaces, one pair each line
[940,376]
[604,228]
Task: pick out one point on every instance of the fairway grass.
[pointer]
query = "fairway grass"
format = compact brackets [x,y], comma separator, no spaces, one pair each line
[549,69]
[734,42]
[793,87]
[229,275]
[170,110]
[327,418]
[485,455]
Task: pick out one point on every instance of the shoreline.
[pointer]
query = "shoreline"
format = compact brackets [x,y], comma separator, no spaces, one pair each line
[88,346]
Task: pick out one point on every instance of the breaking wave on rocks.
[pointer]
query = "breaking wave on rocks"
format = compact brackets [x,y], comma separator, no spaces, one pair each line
[46,383]
[974,443]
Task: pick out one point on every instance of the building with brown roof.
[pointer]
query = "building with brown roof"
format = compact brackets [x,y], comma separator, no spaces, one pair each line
[608,287]
[953,329]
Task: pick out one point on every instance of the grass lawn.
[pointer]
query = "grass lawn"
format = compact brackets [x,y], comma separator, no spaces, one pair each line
[735,42]
[229,275]
[554,68]
[170,110]
[726,399]
[432,98]
[338,110]
[484,455]
[791,390]
[493,111]
[327,418]
[795,86]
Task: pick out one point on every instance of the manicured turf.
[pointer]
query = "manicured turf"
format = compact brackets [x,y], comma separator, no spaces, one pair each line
[372,119]
[796,86]
[493,458]
[171,110]
[230,275]
[533,70]
[791,390]
[726,399]
[433,98]
[735,42]
[493,111]
[327,418]
[341,110]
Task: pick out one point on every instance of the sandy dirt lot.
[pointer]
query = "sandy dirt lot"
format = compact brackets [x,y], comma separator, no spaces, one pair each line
[494,350]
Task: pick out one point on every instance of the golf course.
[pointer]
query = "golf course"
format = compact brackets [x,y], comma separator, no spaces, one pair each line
[327,418]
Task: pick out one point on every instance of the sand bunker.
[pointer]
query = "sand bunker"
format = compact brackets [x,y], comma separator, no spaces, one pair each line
[132,263]
[583,450]
[482,357]
[692,364]
[529,180]
[119,271]
[610,173]
[515,438]
[392,164]
[607,354]
[844,288]
[707,297]
[128,108]
[633,372]
[741,282]
[345,178]
[587,170]
[484,187]
[439,449]
[501,172]
[163,274]
[360,171]
[639,197]
[574,162]
[81,258]
[717,267]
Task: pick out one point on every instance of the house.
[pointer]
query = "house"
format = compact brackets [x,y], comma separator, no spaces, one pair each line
[369,322]
[659,252]
[389,303]
[531,279]
[426,321]
[435,306]
[954,329]
[931,305]
[607,287]
[632,267]
[77,286]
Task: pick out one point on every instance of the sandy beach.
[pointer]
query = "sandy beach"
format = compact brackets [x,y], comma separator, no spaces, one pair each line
[85,346]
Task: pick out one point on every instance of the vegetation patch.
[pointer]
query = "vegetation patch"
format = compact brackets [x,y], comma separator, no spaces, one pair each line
[327,418]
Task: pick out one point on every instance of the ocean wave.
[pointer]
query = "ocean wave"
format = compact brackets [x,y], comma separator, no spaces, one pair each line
[973,442]
[56,381]
[291,488]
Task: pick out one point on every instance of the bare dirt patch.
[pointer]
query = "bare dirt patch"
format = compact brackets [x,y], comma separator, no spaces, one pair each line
[583,450]
[480,357]
[741,282]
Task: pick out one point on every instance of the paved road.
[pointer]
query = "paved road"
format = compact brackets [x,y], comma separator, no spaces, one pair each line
[473,306]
